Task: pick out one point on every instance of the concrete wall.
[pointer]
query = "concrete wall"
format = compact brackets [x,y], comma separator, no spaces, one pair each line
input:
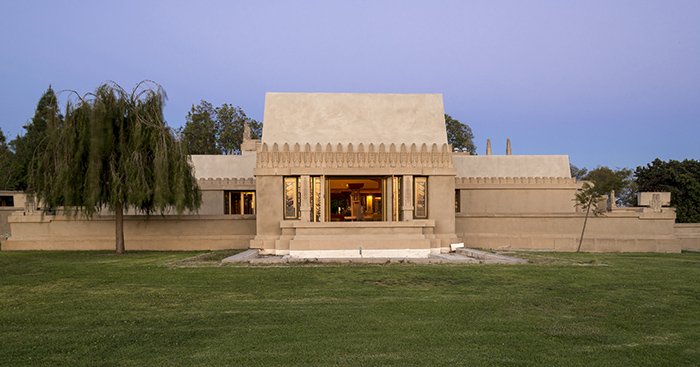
[614,232]
[7,211]
[157,233]
[689,235]
[524,200]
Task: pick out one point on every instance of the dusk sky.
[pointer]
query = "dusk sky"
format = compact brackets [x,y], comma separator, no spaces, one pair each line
[613,83]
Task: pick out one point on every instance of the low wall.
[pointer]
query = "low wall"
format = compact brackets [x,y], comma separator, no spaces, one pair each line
[211,232]
[5,213]
[689,235]
[357,239]
[614,232]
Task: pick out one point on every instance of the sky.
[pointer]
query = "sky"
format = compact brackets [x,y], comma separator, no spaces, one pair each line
[609,83]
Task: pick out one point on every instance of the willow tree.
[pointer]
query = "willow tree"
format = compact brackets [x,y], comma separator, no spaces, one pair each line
[114,150]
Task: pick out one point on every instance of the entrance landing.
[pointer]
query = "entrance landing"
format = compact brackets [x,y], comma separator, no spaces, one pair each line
[460,256]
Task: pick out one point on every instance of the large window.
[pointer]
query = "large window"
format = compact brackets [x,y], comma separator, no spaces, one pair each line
[239,202]
[292,197]
[396,212]
[420,197]
[315,198]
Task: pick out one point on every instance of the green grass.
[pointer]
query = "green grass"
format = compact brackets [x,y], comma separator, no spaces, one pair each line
[148,309]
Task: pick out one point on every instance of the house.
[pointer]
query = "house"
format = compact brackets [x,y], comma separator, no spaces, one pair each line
[372,175]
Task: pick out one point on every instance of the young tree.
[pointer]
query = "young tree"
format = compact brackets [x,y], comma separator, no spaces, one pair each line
[115,150]
[588,198]
[27,145]
[219,130]
[459,134]
[681,179]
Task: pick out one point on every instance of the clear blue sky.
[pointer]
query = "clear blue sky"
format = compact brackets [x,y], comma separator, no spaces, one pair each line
[613,83]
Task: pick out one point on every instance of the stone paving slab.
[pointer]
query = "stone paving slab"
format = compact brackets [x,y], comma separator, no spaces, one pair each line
[470,256]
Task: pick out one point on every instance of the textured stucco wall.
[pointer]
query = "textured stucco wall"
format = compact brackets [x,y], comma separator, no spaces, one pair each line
[511,165]
[353,118]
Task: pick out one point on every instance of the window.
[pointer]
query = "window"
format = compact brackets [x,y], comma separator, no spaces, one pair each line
[7,200]
[291,198]
[457,200]
[396,212]
[315,197]
[420,197]
[239,202]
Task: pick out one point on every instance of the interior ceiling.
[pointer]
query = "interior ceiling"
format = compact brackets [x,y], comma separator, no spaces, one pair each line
[370,184]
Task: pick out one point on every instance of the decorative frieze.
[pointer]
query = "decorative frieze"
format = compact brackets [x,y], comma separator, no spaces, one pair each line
[211,183]
[350,156]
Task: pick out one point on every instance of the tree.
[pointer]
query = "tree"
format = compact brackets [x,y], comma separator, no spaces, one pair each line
[588,198]
[219,130]
[27,145]
[8,166]
[681,179]
[459,135]
[578,173]
[619,180]
[115,150]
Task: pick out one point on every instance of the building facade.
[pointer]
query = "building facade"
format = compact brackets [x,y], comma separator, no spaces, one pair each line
[371,175]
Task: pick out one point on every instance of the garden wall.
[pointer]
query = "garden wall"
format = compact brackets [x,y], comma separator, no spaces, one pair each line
[613,232]
[689,235]
[211,232]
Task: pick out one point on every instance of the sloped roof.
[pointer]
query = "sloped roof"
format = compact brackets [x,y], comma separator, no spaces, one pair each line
[353,118]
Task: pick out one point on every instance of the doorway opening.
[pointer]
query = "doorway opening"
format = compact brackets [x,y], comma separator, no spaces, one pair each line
[355,199]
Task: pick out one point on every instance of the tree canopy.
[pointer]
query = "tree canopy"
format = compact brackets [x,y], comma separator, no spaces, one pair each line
[459,135]
[681,179]
[605,180]
[210,130]
[26,146]
[578,173]
[8,166]
[115,150]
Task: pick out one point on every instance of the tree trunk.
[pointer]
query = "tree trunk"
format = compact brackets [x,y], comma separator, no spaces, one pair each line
[584,224]
[119,228]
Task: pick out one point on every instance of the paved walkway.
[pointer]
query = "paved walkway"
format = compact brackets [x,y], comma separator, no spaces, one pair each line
[460,256]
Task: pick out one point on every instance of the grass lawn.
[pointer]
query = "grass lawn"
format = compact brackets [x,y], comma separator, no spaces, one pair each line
[148,309]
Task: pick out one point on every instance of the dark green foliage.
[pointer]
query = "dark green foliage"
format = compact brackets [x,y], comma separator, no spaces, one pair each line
[26,146]
[219,130]
[115,150]
[620,180]
[578,173]
[681,179]
[9,169]
[459,134]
